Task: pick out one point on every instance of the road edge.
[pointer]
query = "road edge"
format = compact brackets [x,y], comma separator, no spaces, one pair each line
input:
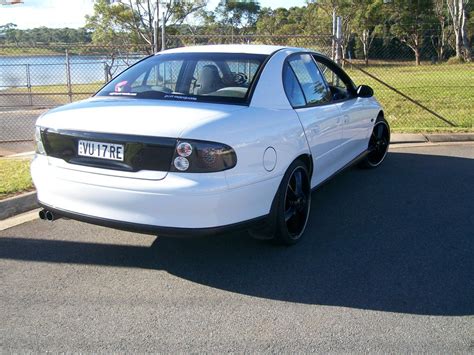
[404,138]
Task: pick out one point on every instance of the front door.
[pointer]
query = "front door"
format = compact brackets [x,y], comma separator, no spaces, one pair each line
[357,116]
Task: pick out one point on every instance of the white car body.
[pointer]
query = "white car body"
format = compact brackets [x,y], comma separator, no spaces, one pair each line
[267,135]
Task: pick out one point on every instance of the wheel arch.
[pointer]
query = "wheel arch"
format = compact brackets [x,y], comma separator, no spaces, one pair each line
[381,114]
[307,159]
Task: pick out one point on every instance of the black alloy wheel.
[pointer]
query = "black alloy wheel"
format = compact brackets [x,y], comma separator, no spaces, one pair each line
[294,203]
[290,209]
[378,144]
[297,203]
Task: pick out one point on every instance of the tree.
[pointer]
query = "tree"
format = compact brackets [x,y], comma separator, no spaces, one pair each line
[344,9]
[272,22]
[367,23]
[409,21]
[458,11]
[7,30]
[111,25]
[440,39]
[137,20]
[237,16]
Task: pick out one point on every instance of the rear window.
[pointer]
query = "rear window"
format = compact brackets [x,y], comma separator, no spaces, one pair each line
[208,77]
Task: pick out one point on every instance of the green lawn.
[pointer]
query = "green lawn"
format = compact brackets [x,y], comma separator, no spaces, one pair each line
[58,94]
[32,51]
[445,89]
[14,177]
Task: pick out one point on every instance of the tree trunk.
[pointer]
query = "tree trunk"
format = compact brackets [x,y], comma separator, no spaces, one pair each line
[464,36]
[457,11]
[458,43]
[442,44]
[417,55]
[365,46]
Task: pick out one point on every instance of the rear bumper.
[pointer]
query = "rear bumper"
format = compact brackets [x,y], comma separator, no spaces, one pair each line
[152,229]
[180,204]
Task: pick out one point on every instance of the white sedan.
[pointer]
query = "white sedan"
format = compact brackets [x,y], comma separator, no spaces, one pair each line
[198,140]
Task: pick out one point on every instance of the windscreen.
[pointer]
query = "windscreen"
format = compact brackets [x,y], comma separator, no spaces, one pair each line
[207,77]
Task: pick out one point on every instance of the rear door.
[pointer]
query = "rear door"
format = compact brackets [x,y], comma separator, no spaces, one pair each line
[310,96]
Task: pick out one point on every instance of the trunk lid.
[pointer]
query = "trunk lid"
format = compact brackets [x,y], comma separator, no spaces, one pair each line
[146,129]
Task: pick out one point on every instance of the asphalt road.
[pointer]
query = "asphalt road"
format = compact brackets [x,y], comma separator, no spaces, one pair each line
[387,264]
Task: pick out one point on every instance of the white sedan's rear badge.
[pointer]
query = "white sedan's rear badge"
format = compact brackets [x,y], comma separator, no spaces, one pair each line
[100,150]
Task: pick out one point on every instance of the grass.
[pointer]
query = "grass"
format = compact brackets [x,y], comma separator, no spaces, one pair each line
[60,97]
[446,89]
[32,51]
[14,177]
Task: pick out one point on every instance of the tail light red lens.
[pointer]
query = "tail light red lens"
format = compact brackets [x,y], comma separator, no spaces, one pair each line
[203,156]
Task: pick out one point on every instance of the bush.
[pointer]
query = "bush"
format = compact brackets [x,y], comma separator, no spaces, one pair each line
[455,60]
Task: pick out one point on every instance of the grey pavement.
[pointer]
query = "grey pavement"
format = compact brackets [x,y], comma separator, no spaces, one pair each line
[386,266]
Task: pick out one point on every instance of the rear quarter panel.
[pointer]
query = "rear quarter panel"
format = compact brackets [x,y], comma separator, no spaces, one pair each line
[250,132]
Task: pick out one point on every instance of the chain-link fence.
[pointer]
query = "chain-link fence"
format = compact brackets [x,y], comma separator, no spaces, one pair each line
[35,79]
[433,96]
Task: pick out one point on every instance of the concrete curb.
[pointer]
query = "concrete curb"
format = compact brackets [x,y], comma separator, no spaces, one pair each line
[402,138]
[450,137]
[18,204]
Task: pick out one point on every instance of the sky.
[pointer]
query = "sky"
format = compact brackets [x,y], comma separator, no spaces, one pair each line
[70,13]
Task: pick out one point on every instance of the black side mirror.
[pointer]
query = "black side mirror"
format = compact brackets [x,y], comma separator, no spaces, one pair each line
[365,91]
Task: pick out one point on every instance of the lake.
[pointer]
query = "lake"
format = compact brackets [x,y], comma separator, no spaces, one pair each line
[17,71]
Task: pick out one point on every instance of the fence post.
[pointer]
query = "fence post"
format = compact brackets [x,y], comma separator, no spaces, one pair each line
[68,76]
[333,44]
[28,85]
[156,47]
[106,72]
[338,39]
[163,35]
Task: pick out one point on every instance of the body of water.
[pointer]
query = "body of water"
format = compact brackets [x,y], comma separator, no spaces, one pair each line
[18,71]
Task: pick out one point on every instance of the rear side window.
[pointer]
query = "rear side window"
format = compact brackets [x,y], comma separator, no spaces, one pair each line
[314,87]
[292,87]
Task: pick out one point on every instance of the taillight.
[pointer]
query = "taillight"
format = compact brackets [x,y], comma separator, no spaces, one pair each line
[39,147]
[192,156]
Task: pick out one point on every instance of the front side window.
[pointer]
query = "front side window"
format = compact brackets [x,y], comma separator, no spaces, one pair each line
[340,88]
[312,83]
[208,77]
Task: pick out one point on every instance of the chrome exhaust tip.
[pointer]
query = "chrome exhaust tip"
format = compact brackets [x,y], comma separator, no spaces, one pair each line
[50,216]
[42,215]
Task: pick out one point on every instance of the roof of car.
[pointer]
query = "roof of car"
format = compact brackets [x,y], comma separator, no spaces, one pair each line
[228,48]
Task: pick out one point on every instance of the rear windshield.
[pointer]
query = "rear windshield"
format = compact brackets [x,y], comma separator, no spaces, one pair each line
[208,77]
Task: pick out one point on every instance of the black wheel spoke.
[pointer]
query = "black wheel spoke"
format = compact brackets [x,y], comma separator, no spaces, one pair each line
[289,213]
[379,132]
[299,182]
[291,193]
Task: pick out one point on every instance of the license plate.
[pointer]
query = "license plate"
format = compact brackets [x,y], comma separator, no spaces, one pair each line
[100,150]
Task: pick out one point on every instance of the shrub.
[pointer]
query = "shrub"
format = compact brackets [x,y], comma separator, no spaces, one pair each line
[455,60]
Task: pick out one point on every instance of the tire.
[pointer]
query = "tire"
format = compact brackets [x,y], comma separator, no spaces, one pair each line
[290,209]
[378,144]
